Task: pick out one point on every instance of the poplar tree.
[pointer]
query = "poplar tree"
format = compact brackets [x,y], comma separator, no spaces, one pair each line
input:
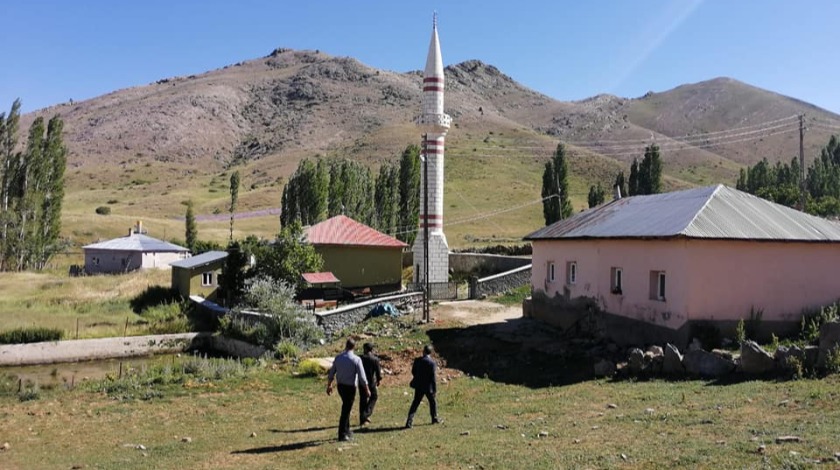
[596,195]
[9,162]
[409,194]
[190,227]
[234,198]
[633,181]
[556,187]
[386,198]
[622,185]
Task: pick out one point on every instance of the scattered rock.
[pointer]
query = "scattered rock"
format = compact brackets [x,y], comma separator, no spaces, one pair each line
[783,403]
[5,446]
[253,434]
[636,360]
[623,456]
[649,411]
[501,426]
[604,368]
[761,449]
[612,406]
[672,360]
[465,433]
[705,364]
[655,351]
[543,434]
[140,447]
[754,359]
[721,443]
[829,339]
[576,441]
[784,439]
[187,440]
[77,467]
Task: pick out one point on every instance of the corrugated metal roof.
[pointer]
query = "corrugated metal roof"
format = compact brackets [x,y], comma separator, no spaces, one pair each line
[136,242]
[342,230]
[319,278]
[713,212]
[200,260]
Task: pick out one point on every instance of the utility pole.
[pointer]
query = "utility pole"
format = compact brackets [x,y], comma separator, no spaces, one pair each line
[426,292]
[802,162]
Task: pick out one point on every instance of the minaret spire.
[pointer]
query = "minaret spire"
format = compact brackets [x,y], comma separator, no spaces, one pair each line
[434,124]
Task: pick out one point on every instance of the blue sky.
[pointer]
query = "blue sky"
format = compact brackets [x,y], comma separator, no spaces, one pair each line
[54,50]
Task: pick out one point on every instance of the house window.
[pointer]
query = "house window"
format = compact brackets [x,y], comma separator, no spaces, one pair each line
[94,261]
[657,285]
[617,278]
[550,272]
[571,272]
[207,278]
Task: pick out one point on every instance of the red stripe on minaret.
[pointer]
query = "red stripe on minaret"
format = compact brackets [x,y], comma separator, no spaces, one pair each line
[432,80]
[432,88]
[429,151]
[431,225]
[431,216]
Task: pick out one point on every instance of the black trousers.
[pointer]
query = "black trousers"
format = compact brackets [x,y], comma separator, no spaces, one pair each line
[418,397]
[348,397]
[367,403]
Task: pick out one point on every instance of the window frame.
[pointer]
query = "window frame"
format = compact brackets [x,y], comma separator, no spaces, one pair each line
[551,271]
[617,280]
[660,285]
[571,273]
[205,275]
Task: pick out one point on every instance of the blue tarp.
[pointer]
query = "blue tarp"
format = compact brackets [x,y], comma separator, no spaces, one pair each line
[384,309]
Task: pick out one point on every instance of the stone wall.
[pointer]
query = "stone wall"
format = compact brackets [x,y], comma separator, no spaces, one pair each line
[499,283]
[333,321]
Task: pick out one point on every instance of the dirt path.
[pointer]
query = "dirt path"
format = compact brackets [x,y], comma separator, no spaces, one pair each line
[476,312]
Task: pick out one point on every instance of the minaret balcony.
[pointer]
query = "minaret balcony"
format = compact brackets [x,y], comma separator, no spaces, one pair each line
[435,120]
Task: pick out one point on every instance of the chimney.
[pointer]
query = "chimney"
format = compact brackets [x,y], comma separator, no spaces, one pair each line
[616,193]
[139,227]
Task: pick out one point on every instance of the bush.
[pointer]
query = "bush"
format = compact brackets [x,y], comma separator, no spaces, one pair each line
[30,335]
[812,321]
[286,350]
[30,393]
[832,360]
[310,368]
[103,210]
[740,332]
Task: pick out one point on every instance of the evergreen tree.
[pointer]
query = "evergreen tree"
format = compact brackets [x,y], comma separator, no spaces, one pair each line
[387,198]
[621,184]
[633,181]
[55,158]
[234,198]
[190,227]
[654,169]
[556,187]
[10,160]
[232,279]
[596,195]
[409,194]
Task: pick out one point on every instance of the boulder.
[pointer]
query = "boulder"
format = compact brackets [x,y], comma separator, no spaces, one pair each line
[829,339]
[754,359]
[695,345]
[636,361]
[811,356]
[604,368]
[786,354]
[672,360]
[655,351]
[705,364]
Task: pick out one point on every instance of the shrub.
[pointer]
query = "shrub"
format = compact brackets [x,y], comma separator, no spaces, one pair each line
[286,350]
[112,201]
[812,321]
[740,332]
[103,210]
[310,368]
[832,360]
[793,365]
[30,335]
[30,393]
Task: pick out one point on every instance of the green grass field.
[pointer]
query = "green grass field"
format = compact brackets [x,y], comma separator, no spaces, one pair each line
[272,419]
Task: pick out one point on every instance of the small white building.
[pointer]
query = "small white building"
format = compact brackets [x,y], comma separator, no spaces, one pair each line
[130,253]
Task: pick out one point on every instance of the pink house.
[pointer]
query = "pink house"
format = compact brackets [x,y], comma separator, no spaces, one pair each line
[648,268]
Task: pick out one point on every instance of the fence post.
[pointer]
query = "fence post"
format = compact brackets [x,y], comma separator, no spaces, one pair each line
[473,287]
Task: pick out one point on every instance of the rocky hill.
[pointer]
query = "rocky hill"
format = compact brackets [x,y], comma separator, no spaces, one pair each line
[149,148]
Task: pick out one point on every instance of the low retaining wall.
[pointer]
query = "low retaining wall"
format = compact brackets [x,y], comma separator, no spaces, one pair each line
[91,349]
[336,320]
[499,283]
[486,263]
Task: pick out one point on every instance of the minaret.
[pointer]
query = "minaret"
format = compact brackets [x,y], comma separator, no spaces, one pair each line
[434,125]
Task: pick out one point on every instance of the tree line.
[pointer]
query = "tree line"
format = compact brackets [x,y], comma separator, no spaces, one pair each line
[780,183]
[31,191]
[645,178]
[323,188]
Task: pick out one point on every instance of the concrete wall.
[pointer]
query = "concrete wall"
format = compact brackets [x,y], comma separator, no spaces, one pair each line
[499,283]
[92,349]
[333,321]
[119,261]
[362,266]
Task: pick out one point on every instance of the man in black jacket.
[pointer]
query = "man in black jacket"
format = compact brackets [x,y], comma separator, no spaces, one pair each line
[373,371]
[424,384]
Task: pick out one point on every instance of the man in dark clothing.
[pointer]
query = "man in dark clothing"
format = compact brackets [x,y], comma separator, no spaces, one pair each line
[373,372]
[347,371]
[424,385]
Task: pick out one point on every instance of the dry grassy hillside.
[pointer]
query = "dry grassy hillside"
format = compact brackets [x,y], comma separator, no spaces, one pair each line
[144,151]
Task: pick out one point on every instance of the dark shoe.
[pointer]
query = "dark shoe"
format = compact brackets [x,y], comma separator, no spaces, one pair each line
[366,421]
[408,425]
[343,439]
[436,421]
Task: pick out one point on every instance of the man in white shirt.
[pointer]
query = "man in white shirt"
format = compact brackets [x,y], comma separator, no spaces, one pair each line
[348,372]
